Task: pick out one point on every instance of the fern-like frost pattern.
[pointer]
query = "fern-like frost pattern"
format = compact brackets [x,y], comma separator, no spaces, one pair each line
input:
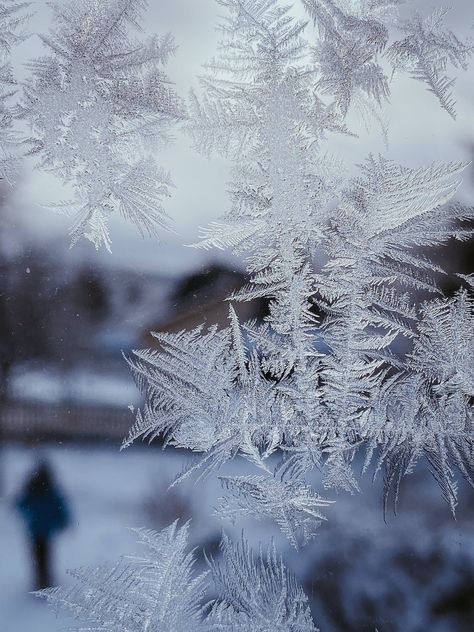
[13,19]
[162,592]
[97,105]
[341,262]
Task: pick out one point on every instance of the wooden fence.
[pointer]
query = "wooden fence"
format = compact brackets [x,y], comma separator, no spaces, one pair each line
[20,421]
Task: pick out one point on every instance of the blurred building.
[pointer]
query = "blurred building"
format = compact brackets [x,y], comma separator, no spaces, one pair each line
[66,329]
[200,298]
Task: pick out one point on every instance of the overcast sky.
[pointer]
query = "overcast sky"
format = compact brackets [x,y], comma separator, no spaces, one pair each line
[420,132]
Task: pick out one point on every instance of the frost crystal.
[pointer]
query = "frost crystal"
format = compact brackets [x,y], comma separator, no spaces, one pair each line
[347,55]
[12,20]
[293,506]
[340,263]
[426,51]
[162,593]
[93,105]
[256,594]
[356,38]
[156,592]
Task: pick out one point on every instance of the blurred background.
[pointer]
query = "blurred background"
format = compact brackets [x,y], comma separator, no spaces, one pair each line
[67,398]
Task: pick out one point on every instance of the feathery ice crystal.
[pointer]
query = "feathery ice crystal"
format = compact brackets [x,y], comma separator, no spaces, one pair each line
[341,260]
[12,22]
[162,593]
[97,105]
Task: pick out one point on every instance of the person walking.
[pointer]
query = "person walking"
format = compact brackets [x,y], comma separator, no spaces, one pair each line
[45,512]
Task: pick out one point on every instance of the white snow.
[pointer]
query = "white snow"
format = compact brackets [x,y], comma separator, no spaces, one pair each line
[79,385]
[109,492]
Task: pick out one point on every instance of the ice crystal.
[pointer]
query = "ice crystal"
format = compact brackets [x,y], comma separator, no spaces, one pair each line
[12,21]
[425,52]
[93,105]
[356,38]
[243,413]
[347,54]
[162,592]
[292,505]
[342,263]
[256,593]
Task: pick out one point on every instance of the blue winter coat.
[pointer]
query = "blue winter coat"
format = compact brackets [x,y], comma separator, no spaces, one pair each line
[44,512]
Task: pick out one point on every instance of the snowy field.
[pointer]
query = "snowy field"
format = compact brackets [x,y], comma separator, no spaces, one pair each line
[356,560]
[109,492]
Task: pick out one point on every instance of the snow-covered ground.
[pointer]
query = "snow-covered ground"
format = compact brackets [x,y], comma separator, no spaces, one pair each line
[80,385]
[109,493]
[407,568]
